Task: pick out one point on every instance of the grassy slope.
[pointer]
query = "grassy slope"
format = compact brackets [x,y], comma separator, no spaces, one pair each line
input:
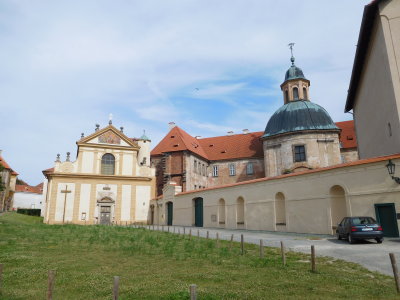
[156,265]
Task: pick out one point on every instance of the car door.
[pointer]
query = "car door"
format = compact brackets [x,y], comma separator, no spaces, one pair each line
[341,227]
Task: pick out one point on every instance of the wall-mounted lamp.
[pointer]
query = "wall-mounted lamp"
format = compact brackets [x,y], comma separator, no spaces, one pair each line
[391,169]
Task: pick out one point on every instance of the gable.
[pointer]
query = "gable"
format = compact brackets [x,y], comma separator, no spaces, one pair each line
[108,136]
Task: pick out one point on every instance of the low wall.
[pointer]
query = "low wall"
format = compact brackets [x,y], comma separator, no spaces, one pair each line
[309,202]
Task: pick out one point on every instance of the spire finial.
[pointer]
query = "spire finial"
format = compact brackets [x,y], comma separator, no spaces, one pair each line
[291,52]
[110,116]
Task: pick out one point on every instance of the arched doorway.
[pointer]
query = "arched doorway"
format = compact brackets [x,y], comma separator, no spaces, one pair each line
[106,210]
[280,211]
[198,212]
[170,212]
[338,205]
[221,212]
[240,212]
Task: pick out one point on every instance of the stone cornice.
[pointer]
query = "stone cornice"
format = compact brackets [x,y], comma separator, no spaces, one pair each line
[99,176]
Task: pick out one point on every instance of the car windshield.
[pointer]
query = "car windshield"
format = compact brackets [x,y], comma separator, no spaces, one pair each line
[363,220]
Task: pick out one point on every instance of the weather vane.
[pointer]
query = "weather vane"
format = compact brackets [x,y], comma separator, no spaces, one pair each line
[291,52]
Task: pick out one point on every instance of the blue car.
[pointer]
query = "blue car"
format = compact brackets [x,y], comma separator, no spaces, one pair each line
[359,228]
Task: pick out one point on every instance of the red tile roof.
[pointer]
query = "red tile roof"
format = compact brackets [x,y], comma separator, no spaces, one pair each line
[7,166]
[348,137]
[178,140]
[234,146]
[214,148]
[28,189]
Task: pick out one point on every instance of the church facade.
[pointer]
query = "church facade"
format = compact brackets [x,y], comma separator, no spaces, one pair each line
[110,182]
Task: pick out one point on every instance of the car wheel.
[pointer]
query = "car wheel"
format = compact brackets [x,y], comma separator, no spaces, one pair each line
[378,240]
[338,236]
[351,239]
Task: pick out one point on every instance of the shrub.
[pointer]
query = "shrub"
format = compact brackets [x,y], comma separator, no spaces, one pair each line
[29,211]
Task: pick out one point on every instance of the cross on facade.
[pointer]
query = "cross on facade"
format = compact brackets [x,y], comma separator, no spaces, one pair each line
[66,191]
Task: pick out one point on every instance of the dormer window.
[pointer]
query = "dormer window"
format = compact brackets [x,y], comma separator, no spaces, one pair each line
[108,164]
[295,93]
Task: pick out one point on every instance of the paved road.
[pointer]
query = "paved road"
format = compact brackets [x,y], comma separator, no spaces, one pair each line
[369,254]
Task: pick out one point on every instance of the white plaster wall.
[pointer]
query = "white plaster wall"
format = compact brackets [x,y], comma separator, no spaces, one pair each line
[143,194]
[84,201]
[307,199]
[27,200]
[112,192]
[127,164]
[69,207]
[126,202]
[87,162]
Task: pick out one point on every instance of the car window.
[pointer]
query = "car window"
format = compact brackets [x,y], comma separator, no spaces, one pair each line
[363,220]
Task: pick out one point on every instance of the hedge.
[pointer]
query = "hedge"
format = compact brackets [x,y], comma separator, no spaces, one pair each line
[29,211]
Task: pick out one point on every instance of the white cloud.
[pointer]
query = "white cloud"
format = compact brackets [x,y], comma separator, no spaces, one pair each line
[66,65]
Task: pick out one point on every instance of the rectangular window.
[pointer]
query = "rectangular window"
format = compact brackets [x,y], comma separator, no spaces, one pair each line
[215,171]
[249,169]
[195,166]
[299,153]
[232,170]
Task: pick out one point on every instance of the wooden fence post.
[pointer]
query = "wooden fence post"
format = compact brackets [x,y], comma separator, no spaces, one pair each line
[261,249]
[313,266]
[174,229]
[184,231]
[217,238]
[193,294]
[50,284]
[207,235]
[198,233]
[230,244]
[116,288]
[1,277]
[283,253]
[190,234]
[242,244]
[395,271]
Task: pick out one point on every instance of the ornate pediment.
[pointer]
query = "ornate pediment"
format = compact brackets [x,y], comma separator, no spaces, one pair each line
[109,137]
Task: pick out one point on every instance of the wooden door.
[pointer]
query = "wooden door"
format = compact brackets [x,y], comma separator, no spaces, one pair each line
[386,217]
[170,210]
[198,212]
[105,215]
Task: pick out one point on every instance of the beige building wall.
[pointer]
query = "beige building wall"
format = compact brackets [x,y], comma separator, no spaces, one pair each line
[379,87]
[322,150]
[309,202]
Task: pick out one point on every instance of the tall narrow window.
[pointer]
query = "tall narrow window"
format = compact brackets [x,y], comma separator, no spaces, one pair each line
[195,166]
[232,170]
[108,164]
[295,93]
[286,96]
[215,171]
[299,153]
[305,93]
[249,168]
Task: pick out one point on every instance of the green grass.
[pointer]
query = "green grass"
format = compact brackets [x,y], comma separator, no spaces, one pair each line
[157,265]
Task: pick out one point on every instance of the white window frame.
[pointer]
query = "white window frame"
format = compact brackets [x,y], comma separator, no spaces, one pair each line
[232,169]
[249,168]
[215,171]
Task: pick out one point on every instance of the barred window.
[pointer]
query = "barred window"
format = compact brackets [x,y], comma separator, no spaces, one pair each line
[107,164]
[249,169]
[232,170]
[299,153]
[215,171]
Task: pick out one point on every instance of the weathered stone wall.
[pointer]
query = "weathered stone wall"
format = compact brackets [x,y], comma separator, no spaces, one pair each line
[322,150]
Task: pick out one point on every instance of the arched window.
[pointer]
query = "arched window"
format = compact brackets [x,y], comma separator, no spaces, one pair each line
[108,164]
[295,93]
[305,93]
[286,96]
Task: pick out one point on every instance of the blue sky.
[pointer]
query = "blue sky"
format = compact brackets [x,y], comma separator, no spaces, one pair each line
[208,66]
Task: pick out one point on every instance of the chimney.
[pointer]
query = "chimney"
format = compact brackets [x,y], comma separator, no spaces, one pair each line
[245,131]
[171,125]
[230,133]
